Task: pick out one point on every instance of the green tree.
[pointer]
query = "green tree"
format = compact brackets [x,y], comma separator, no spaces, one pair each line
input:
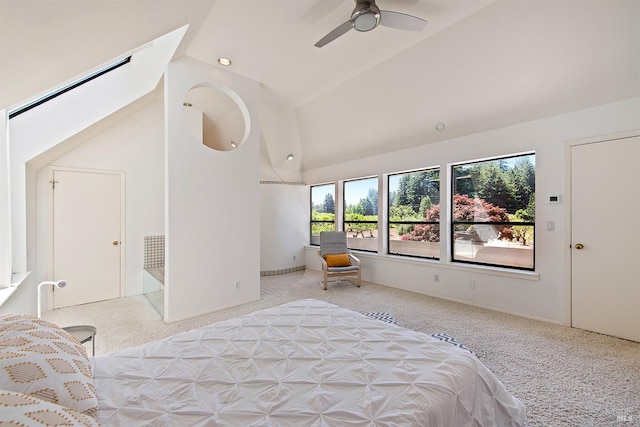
[403,213]
[465,178]
[402,196]
[522,178]
[498,182]
[413,187]
[329,204]
[317,227]
[523,233]
[360,226]
[356,209]
[393,195]
[367,207]
[372,197]
[530,211]
[425,205]
[495,187]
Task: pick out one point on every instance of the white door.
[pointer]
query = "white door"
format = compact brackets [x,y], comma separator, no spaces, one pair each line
[605,234]
[86,236]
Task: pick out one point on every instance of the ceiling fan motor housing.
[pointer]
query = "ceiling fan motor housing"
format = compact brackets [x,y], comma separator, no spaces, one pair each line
[366,15]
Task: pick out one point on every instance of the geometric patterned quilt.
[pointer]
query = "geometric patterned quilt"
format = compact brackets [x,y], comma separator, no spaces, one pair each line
[308,363]
[389,318]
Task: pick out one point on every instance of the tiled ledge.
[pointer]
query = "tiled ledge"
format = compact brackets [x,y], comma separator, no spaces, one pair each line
[283,271]
[156,272]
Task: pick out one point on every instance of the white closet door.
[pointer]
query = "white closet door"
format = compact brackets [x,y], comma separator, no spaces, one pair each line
[605,229]
[86,237]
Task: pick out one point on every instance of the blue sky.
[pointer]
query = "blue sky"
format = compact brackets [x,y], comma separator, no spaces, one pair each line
[355,190]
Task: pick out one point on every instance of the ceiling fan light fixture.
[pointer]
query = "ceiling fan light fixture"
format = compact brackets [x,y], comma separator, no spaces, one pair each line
[366,20]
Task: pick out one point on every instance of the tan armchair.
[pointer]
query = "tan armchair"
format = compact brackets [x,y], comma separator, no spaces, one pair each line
[337,259]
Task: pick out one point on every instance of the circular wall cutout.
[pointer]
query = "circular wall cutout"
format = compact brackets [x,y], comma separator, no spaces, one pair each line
[216,116]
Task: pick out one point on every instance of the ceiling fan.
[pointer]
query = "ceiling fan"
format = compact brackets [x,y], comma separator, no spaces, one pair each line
[367,16]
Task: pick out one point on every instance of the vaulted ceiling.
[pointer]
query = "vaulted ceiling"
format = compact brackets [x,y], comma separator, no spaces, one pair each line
[478,64]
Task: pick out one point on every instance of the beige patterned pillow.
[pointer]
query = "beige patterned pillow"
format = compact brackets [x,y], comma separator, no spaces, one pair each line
[17,409]
[40,359]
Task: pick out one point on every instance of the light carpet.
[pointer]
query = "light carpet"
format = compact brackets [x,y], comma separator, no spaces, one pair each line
[564,376]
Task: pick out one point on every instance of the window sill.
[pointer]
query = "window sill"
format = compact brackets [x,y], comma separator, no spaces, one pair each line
[7,290]
[434,263]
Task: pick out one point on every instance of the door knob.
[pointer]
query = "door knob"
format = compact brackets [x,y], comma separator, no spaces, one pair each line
[115,243]
[579,246]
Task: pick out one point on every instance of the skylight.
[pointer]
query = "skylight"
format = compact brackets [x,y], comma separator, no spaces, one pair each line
[54,94]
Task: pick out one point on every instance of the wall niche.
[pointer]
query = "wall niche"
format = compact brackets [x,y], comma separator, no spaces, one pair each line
[223,126]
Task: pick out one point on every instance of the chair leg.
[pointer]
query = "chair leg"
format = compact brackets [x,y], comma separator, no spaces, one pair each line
[325,280]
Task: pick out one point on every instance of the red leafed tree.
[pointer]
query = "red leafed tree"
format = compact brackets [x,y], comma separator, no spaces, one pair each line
[464,209]
[479,210]
[426,232]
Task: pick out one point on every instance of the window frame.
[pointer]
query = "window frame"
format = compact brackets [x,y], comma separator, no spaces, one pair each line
[345,206]
[64,89]
[389,222]
[453,222]
[312,221]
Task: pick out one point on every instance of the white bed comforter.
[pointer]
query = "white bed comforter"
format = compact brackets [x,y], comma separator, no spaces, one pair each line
[305,363]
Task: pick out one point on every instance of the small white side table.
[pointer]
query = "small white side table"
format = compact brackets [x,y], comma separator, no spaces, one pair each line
[84,333]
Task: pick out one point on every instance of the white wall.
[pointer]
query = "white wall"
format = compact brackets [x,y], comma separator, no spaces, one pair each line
[540,295]
[284,217]
[280,138]
[136,146]
[284,226]
[5,207]
[211,201]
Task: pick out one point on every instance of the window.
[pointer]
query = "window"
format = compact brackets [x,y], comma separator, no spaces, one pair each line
[60,91]
[361,214]
[493,212]
[323,210]
[414,214]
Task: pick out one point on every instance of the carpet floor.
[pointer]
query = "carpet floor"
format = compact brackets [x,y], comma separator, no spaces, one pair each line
[564,376]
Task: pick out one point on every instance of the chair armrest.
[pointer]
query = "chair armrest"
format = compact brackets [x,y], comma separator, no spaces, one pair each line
[355,260]
[323,261]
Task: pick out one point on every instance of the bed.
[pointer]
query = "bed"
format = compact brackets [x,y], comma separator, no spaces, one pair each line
[304,363]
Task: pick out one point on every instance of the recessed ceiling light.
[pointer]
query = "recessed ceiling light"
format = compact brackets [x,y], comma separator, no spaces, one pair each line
[290,157]
[440,126]
[224,61]
[234,145]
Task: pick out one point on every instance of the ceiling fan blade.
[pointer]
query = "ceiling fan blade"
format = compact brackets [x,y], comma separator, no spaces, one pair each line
[401,21]
[337,32]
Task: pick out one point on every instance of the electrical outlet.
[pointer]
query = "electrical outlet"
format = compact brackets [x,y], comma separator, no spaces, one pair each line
[436,278]
[294,257]
[237,285]
[472,284]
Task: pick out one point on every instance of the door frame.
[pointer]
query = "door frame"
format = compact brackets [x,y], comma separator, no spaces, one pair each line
[50,220]
[568,238]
